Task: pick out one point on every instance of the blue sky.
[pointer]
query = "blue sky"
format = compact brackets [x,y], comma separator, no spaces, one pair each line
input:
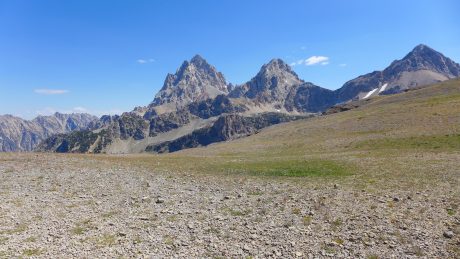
[110,56]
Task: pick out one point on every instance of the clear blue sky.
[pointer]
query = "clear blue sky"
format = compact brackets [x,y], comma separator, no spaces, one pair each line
[110,56]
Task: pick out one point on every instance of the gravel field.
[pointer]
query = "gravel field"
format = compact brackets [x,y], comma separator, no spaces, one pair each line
[79,206]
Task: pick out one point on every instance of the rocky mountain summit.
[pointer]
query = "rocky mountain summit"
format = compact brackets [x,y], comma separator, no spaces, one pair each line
[17,134]
[272,84]
[195,80]
[196,106]
[422,66]
[278,88]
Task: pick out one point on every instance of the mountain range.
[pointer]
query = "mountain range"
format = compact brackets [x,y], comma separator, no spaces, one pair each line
[196,106]
[17,134]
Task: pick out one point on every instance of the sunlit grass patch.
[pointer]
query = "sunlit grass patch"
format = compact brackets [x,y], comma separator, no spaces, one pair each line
[82,227]
[435,142]
[289,168]
[32,252]
[106,240]
[16,230]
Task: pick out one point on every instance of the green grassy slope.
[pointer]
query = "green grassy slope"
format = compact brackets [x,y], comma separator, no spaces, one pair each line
[397,141]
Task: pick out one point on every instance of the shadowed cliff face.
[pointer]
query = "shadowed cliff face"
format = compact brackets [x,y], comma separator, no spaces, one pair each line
[227,127]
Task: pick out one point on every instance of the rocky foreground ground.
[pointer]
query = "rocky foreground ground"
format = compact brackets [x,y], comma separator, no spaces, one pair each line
[67,206]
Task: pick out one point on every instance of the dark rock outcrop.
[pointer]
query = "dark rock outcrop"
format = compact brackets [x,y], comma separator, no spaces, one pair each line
[215,107]
[227,127]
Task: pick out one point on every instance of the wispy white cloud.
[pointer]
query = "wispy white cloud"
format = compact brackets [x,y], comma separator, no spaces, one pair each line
[342,65]
[313,60]
[46,91]
[145,61]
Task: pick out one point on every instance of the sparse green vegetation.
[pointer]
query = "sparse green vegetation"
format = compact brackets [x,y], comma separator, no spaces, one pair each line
[290,168]
[339,241]
[78,230]
[3,240]
[336,224]
[451,211]
[237,213]
[106,240]
[8,170]
[172,218]
[168,240]
[82,227]
[435,142]
[32,252]
[255,193]
[296,211]
[30,239]
[17,229]
[307,220]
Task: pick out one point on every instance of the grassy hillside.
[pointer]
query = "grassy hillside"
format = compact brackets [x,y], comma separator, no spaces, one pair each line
[379,181]
[394,141]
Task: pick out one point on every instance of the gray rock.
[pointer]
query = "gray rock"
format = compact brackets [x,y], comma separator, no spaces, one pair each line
[448,234]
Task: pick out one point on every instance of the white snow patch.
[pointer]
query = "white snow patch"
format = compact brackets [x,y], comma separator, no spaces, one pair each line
[383,88]
[370,93]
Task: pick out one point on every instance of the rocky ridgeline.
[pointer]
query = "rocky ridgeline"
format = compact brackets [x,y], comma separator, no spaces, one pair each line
[196,106]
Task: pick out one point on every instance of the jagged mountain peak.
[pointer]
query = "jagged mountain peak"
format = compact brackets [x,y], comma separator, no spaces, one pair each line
[423,57]
[198,60]
[422,51]
[195,80]
[272,84]
[276,67]
[421,66]
[422,47]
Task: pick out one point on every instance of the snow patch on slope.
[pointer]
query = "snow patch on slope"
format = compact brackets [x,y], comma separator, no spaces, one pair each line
[383,88]
[370,93]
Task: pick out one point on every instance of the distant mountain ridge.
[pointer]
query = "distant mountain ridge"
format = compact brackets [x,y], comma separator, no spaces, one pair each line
[17,134]
[422,66]
[196,106]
